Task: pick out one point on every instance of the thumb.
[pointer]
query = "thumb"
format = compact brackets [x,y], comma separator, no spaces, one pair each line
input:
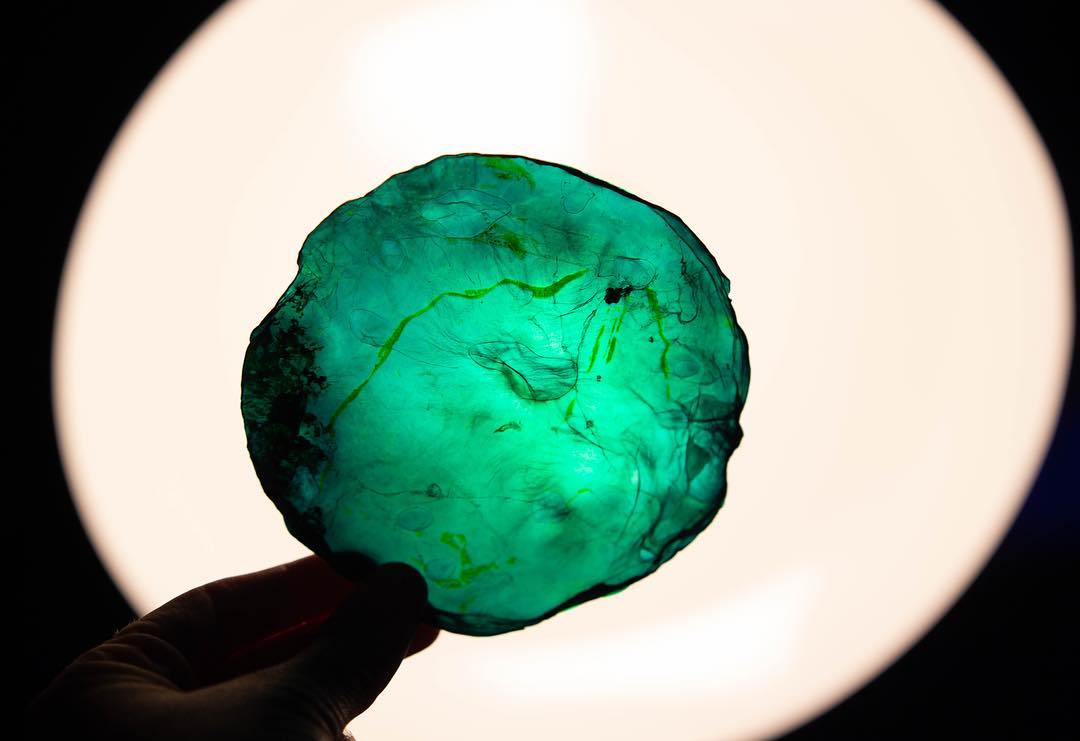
[359,649]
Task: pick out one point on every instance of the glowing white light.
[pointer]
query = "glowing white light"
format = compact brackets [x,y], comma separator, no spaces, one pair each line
[867,202]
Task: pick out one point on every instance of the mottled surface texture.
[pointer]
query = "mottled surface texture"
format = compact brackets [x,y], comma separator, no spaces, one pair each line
[517,378]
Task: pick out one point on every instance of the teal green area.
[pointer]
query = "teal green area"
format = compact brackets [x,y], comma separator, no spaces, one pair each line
[519,379]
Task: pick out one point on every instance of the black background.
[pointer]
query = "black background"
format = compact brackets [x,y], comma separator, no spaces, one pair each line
[1001,664]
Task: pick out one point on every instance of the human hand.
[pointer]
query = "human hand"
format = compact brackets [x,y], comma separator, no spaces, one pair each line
[292,652]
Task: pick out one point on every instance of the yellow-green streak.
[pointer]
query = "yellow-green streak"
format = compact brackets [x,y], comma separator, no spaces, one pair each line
[615,330]
[596,347]
[577,494]
[470,293]
[654,306]
[611,348]
[468,571]
[625,308]
[509,169]
[499,236]
[569,409]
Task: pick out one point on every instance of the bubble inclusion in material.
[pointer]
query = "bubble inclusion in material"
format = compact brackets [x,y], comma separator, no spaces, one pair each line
[519,379]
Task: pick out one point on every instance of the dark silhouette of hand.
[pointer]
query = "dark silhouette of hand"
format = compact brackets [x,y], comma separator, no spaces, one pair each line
[293,652]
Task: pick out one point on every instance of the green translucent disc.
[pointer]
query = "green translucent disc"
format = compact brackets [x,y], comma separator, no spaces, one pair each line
[521,380]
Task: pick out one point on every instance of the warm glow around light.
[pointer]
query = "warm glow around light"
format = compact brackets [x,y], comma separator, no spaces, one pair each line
[899,258]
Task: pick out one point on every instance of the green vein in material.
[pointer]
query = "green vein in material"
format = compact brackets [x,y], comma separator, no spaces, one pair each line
[615,330]
[499,236]
[469,293]
[507,169]
[611,348]
[596,347]
[625,308]
[658,315]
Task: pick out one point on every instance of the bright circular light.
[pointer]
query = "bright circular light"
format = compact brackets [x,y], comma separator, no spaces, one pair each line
[898,254]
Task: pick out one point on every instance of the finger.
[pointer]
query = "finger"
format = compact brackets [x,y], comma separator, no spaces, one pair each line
[283,645]
[425,635]
[253,606]
[276,610]
[361,647]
